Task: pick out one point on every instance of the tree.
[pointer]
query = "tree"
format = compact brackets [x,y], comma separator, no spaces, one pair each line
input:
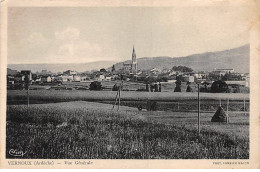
[115,87]
[219,87]
[103,70]
[113,68]
[182,69]
[95,85]
[205,88]
[189,89]
[178,85]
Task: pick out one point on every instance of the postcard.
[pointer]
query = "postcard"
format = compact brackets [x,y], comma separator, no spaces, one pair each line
[130,84]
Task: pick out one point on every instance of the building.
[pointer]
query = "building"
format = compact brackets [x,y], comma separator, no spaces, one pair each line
[222,71]
[200,75]
[70,72]
[65,78]
[76,78]
[188,78]
[101,78]
[108,78]
[19,78]
[131,67]
[155,70]
[46,79]
[240,83]
[27,73]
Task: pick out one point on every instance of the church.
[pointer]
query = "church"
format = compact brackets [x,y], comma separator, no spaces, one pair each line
[131,67]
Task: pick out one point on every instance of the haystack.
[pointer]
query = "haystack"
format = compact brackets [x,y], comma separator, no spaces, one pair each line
[220,116]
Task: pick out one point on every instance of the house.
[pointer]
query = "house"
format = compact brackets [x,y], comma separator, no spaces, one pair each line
[172,73]
[38,80]
[27,73]
[188,78]
[200,75]
[46,79]
[84,78]
[240,83]
[101,78]
[222,71]
[19,78]
[155,70]
[76,78]
[66,78]
[70,72]
[10,80]
[108,78]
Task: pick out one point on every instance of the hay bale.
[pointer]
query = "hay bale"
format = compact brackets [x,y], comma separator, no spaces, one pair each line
[220,116]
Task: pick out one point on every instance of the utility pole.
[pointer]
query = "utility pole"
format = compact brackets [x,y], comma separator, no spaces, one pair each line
[198,108]
[27,82]
[119,97]
[245,105]
[227,110]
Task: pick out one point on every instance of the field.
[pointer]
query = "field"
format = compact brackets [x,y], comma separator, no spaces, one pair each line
[42,96]
[73,124]
[165,101]
[90,130]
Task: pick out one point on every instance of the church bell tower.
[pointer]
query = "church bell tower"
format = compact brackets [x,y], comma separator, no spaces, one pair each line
[134,61]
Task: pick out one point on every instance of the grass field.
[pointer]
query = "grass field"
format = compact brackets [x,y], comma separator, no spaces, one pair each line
[88,130]
[165,101]
[75,95]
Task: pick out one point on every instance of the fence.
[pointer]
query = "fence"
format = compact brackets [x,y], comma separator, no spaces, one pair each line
[190,105]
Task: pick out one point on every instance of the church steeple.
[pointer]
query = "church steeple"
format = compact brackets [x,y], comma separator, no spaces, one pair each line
[133,55]
[134,62]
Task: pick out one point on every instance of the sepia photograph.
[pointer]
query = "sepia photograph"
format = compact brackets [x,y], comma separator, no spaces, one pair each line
[128,82]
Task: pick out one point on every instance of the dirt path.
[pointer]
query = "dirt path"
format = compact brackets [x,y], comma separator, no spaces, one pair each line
[87,105]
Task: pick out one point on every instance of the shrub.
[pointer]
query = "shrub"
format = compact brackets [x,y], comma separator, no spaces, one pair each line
[95,85]
[219,87]
[115,87]
[178,85]
[188,89]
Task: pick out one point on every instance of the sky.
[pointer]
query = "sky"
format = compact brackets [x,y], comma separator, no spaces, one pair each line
[88,34]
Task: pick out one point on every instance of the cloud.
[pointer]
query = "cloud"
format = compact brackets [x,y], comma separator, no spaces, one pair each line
[70,47]
[36,39]
[70,34]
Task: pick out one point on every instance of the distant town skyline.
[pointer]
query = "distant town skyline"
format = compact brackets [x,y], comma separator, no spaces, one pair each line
[88,34]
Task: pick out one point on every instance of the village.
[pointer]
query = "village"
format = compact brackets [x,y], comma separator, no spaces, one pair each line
[177,79]
[237,82]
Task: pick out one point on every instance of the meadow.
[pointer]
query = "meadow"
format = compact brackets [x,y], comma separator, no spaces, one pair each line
[43,96]
[89,130]
[165,101]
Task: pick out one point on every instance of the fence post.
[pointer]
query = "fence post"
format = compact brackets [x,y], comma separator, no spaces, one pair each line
[245,105]
[28,101]
[198,108]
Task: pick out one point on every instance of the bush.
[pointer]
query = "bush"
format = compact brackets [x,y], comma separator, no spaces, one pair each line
[115,87]
[178,85]
[219,87]
[95,85]
[189,89]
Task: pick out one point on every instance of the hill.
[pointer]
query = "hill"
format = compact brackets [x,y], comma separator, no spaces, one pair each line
[237,58]
[80,67]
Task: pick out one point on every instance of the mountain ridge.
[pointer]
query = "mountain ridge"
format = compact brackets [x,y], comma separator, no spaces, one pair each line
[237,58]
